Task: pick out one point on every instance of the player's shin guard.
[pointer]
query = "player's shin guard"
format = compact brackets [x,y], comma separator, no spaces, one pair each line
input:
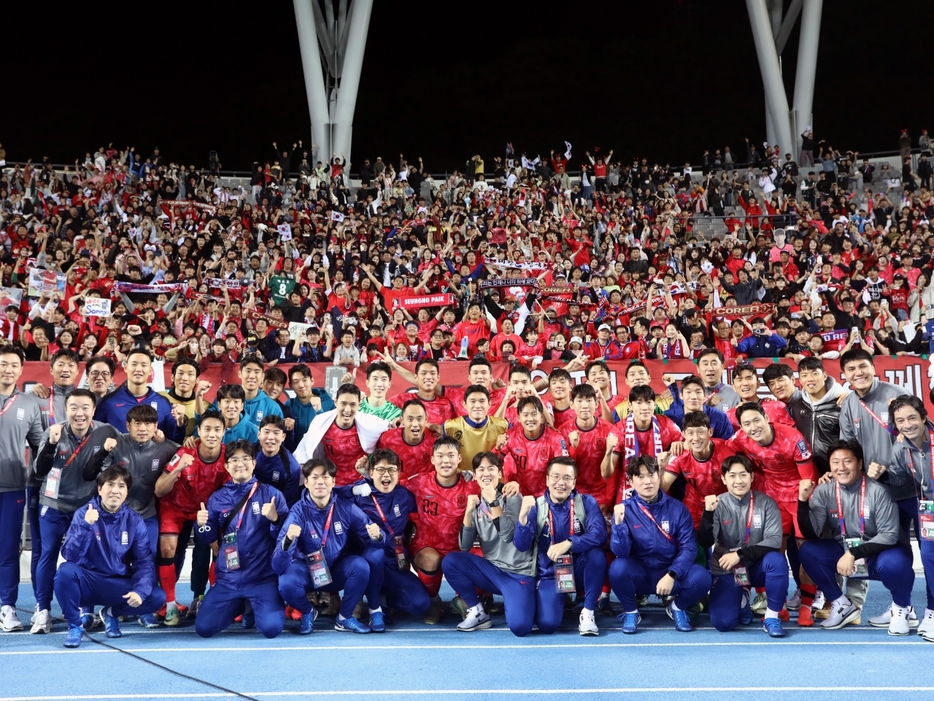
[431,580]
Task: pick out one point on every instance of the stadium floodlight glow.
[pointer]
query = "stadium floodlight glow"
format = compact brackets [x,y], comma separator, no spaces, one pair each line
[771,30]
[332,37]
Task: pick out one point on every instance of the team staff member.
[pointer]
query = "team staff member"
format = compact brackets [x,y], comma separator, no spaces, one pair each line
[313,553]
[503,569]
[242,518]
[20,424]
[653,540]
[67,447]
[719,394]
[744,528]
[390,505]
[564,522]
[851,526]
[107,560]
[274,464]
[189,479]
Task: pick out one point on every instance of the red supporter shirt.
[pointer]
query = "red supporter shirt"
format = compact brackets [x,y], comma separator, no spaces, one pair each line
[439,409]
[413,459]
[774,409]
[196,483]
[342,447]
[589,455]
[784,462]
[525,460]
[440,511]
[702,476]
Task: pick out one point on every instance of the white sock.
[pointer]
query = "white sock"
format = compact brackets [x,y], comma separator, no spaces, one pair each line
[769,613]
[171,606]
[674,606]
[378,609]
[586,610]
[478,609]
[636,611]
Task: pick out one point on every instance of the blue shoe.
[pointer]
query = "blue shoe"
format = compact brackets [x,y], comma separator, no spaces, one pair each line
[745,612]
[377,622]
[87,622]
[681,619]
[111,623]
[350,624]
[603,605]
[630,622]
[249,619]
[148,620]
[75,633]
[773,627]
[308,622]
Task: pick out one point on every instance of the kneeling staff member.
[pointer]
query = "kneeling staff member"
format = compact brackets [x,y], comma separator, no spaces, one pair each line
[745,529]
[503,569]
[653,540]
[108,560]
[243,517]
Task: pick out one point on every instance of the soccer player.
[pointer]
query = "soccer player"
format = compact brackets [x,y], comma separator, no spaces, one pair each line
[744,528]
[567,531]
[242,518]
[699,464]
[746,384]
[710,367]
[256,404]
[20,424]
[784,458]
[586,440]
[107,560]
[307,403]
[692,397]
[378,382]
[185,388]
[66,448]
[560,383]
[637,375]
[189,480]
[439,408]
[441,499]
[529,447]
[851,527]
[490,518]
[598,376]
[389,505]
[237,424]
[343,436]
[313,553]
[653,539]
[520,386]
[642,432]
[477,432]
[274,464]
[411,443]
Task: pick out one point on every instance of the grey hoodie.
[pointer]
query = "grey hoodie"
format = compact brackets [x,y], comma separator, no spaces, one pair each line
[496,537]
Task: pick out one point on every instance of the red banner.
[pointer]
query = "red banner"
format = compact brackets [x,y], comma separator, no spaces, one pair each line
[439,300]
[909,372]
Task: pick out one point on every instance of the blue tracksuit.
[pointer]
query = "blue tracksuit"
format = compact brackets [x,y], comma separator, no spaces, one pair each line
[350,573]
[105,561]
[253,580]
[644,554]
[722,428]
[282,471]
[403,589]
[586,548]
[114,407]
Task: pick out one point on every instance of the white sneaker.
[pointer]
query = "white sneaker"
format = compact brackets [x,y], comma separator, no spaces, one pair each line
[587,624]
[793,602]
[884,618]
[32,618]
[9,621]
[477,619]
[819,601]
[899,624]
[841,614]
[41,622]
[927,623]
[760,603]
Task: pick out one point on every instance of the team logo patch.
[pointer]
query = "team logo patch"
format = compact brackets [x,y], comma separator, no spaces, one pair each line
[259,416]
[338,527]
[20,414]
[97,448]
[275,476]
[396,510]
[461,501]
[155,464]
[884,415]
[757,521]
[803,449]
[154,405]
[666,527]
[256,508]
[124,538]
[44,511]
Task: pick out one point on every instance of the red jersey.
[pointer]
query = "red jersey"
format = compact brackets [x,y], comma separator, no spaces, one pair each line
[784,462]
[342,447]
[563,417]
[413,459]
[197,482]
[637,349]
[439,409]
[440,511]
[702,476]
[525,460]
[643,443]
[589,455]
[774,409]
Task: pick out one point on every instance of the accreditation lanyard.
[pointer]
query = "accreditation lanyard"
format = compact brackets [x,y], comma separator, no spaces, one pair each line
[9,402]
[879,421]
[52,406]
[749,515]
[327,527]
[77,450]
[571,524]
[919,475]
[652,519]
[245,502]
[379,510]
[862,503]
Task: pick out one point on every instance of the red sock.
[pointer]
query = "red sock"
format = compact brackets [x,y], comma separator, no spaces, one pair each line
[808,592]
[431,581]
[212,578]
[167,580]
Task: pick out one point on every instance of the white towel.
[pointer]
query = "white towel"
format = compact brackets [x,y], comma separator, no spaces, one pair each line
[369,429]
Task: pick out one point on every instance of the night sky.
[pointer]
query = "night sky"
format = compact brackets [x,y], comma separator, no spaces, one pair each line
[662,79]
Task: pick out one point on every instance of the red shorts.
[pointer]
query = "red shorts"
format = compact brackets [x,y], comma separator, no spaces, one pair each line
[789,512]
[171,520]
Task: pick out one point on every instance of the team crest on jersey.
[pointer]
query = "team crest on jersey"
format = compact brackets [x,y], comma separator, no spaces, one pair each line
[124,538]
[155,464]
[154,405]
[256,508]
[461,501]
[275,475]
[338,527]
[803,448]
[396,511]
[456,435]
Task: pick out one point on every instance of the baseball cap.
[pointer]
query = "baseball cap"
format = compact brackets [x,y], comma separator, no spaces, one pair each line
[577,340]
[605,326]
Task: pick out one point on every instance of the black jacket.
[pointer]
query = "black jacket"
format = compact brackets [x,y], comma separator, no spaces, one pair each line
[819,424]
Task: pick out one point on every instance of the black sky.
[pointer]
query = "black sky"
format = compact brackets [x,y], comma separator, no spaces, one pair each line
[663,79]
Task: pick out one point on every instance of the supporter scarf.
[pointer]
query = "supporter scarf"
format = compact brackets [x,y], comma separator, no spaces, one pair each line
[509,282]
[222,282]
[151,289]
[631,444]
[748,310]
[255,315]
[209,208]
[518,266]
[833,336]
[631,309]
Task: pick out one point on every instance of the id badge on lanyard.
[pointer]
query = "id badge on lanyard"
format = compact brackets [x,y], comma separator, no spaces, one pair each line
[399,546]
[318,568]
[740,573]
[860,564]
[926,518]
[564,574]
[52,482]
[231,553]
[741,576]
